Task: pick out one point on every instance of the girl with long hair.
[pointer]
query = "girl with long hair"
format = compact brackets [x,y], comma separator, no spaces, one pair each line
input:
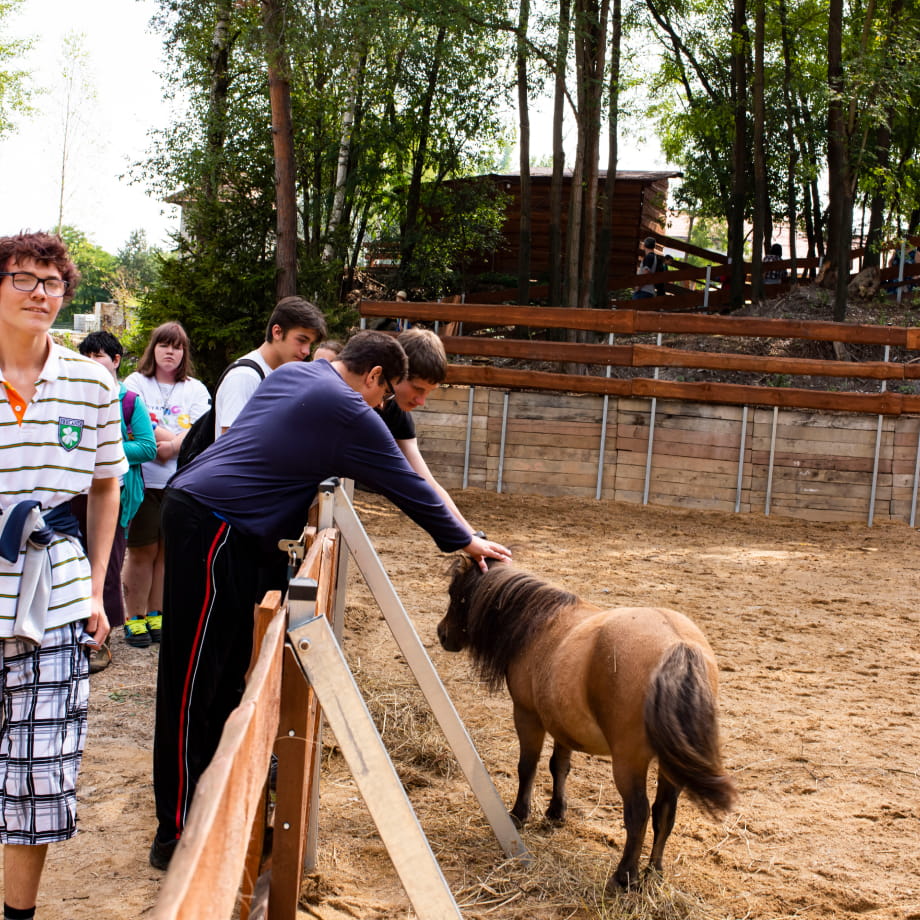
[176,399]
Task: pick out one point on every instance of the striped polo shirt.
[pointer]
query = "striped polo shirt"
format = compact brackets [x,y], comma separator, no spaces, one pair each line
[50,450]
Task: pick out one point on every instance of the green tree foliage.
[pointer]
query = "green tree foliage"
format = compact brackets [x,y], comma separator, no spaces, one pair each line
[217,163]
[97,274]
[878,128]
[389,101]
[138,269]
[14,87]
[461,226]
[97,269]
[125,278]
[692,97]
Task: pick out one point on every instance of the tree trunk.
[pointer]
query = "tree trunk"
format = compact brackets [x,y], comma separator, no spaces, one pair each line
[791,145]
[762,224]
[556,272]
[739,155]
[605,234]
[201,226]
[840,211]
[341,175]
[279,90]
[524,142]
[573,229]
[590,56]
[811,193]
[414,193]
[872,247]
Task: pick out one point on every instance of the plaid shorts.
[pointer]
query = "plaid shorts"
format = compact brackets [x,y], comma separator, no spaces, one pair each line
[44,692]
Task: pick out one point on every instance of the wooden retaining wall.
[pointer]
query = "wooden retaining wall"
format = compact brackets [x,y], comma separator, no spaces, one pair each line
[796,463]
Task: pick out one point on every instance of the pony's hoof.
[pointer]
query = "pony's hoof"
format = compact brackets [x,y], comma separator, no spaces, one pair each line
[623,881]
[556,816]
[516,821]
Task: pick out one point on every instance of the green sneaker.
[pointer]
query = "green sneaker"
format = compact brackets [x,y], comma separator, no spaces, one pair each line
[136,632]
[155,625]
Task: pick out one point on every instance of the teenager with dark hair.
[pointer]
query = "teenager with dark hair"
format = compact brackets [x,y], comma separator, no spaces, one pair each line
[294,327]
[427,370]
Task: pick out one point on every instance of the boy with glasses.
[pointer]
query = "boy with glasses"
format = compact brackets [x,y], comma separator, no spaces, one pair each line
[60,419]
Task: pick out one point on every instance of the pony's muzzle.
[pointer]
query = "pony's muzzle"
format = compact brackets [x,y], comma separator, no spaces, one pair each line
[449,642]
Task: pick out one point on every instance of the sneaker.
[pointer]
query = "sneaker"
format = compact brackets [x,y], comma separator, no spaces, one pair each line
[100,658]
[155,626]
[161,853]
[136,632]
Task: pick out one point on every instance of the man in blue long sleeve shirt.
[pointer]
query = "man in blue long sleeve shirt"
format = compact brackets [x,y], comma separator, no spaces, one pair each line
[224,514]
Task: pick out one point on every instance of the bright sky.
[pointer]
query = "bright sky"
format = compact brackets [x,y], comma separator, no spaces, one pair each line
[124,57]
[123,66]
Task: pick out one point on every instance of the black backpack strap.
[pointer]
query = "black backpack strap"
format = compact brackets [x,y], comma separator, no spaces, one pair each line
[240,362]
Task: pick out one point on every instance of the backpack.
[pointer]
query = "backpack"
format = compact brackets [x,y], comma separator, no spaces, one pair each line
[201,434]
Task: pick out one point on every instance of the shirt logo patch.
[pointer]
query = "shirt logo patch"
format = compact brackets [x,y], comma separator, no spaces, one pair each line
[70,431]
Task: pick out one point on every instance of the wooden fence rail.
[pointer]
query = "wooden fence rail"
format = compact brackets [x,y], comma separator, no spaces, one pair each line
[641,355]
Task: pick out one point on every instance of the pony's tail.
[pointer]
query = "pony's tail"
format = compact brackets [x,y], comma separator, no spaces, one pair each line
[682,726]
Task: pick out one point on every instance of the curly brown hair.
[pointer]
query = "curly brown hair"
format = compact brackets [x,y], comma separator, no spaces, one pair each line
[47,248]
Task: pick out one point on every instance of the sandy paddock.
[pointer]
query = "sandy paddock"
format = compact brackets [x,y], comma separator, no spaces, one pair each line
[816,631]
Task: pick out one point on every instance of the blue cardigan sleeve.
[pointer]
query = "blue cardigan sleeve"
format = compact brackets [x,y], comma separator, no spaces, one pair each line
[142,446]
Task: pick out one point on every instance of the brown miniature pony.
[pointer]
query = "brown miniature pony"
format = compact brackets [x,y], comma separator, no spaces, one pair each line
[630,682]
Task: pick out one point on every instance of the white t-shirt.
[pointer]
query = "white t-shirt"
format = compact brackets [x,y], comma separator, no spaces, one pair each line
[174,406]
[235,391]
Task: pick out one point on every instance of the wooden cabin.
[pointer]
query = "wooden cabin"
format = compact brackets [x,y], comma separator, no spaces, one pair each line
[640,204]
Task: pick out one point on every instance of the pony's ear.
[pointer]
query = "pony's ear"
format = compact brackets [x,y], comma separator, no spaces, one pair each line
[459,564]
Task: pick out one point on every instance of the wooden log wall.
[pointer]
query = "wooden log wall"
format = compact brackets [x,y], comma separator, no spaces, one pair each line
[640,201]
[823,463]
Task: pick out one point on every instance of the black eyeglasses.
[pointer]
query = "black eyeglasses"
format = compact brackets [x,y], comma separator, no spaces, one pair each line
[27,282]
[390,394]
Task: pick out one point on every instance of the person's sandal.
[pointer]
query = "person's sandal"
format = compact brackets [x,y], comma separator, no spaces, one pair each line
[100,658]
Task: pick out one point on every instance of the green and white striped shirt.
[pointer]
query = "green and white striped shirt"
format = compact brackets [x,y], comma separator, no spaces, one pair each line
[70,433]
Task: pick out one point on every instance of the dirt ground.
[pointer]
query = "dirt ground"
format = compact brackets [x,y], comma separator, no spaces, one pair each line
[816,631]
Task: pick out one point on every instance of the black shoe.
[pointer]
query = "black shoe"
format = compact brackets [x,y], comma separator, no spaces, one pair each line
[161,853]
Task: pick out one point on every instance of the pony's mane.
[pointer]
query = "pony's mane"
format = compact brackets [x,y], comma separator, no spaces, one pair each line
[507,608]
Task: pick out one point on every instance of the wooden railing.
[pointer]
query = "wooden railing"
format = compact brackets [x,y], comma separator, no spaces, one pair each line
[705,288]
[628,322]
